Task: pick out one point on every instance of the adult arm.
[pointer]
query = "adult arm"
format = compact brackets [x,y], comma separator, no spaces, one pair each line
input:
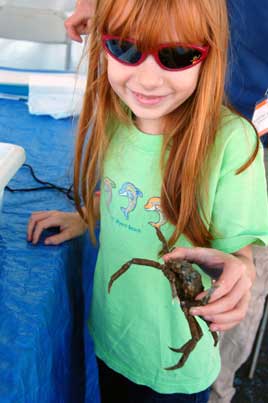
[79,22]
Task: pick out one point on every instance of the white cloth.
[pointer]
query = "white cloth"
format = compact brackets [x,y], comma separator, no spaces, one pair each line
[57,95]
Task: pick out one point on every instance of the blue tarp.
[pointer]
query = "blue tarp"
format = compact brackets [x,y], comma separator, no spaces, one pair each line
[248,61]
[44,290]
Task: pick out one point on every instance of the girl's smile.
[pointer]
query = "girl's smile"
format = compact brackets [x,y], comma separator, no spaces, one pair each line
[151,92]
[150,100]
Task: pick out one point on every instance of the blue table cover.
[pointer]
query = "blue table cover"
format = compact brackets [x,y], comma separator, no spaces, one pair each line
[46,354]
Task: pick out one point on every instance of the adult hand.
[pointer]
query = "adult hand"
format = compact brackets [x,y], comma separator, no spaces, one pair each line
[71,226]
[79,22]
[229,302]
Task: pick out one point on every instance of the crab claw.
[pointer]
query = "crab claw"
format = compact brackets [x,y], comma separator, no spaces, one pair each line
[176,366]
[176,350]
[110,285]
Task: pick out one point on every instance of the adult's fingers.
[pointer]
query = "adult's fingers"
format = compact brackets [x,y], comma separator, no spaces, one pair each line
[74,35]
[70,26]
[77,26]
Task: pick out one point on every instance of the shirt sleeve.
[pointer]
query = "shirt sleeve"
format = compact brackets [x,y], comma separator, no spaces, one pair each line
[240,208]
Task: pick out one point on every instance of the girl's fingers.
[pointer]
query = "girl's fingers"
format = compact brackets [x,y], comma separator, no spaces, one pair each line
[233,277]
[40,212]
[42,225]
[30,227]
[203,256]
[59,238]
[225,323]
[70,223]
[232,268]
[230,317]
[223,327]
[35,217]
[227,303]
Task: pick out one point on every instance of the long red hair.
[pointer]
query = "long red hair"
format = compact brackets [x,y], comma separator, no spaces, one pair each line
[189,131]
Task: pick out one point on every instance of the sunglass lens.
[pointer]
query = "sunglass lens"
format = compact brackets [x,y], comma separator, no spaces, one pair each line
[124,51]
[178,57]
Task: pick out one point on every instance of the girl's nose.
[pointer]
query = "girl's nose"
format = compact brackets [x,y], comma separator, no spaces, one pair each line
[149,74]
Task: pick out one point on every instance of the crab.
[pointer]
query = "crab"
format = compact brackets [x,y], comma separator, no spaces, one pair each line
[186,284]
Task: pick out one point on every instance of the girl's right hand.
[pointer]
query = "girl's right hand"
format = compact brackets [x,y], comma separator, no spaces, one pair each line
[71,226]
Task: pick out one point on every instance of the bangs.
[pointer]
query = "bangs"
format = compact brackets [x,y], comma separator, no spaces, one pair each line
[151,24]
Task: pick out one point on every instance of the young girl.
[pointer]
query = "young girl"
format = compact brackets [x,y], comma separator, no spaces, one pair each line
[169,156]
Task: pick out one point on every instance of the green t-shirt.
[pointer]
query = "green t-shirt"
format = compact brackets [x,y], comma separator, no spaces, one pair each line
[133,326]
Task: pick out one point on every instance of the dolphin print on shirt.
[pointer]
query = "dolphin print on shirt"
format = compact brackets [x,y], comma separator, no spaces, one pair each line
[108,185]
[132,193]
[153,204]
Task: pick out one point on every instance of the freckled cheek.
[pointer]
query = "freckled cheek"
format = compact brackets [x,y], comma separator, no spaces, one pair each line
[112,81]
[185,89]
[185,83]
[118,75]
[117,86]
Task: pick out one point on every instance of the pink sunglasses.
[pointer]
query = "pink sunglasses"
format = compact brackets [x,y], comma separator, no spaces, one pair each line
[169,56]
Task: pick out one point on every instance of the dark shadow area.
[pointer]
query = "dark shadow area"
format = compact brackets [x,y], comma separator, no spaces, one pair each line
[253,390]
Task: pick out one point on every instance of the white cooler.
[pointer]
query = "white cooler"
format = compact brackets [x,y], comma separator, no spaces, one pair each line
[11,159]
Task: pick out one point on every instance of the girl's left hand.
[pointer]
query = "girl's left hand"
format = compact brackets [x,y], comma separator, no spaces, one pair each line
[229,302]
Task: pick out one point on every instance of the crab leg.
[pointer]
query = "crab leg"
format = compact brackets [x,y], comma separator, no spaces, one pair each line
[189,304]
[213,334]
[126,266]
[163,240]
[187,348]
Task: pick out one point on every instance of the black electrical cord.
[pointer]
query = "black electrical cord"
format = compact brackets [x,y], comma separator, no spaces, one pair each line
[48,186]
